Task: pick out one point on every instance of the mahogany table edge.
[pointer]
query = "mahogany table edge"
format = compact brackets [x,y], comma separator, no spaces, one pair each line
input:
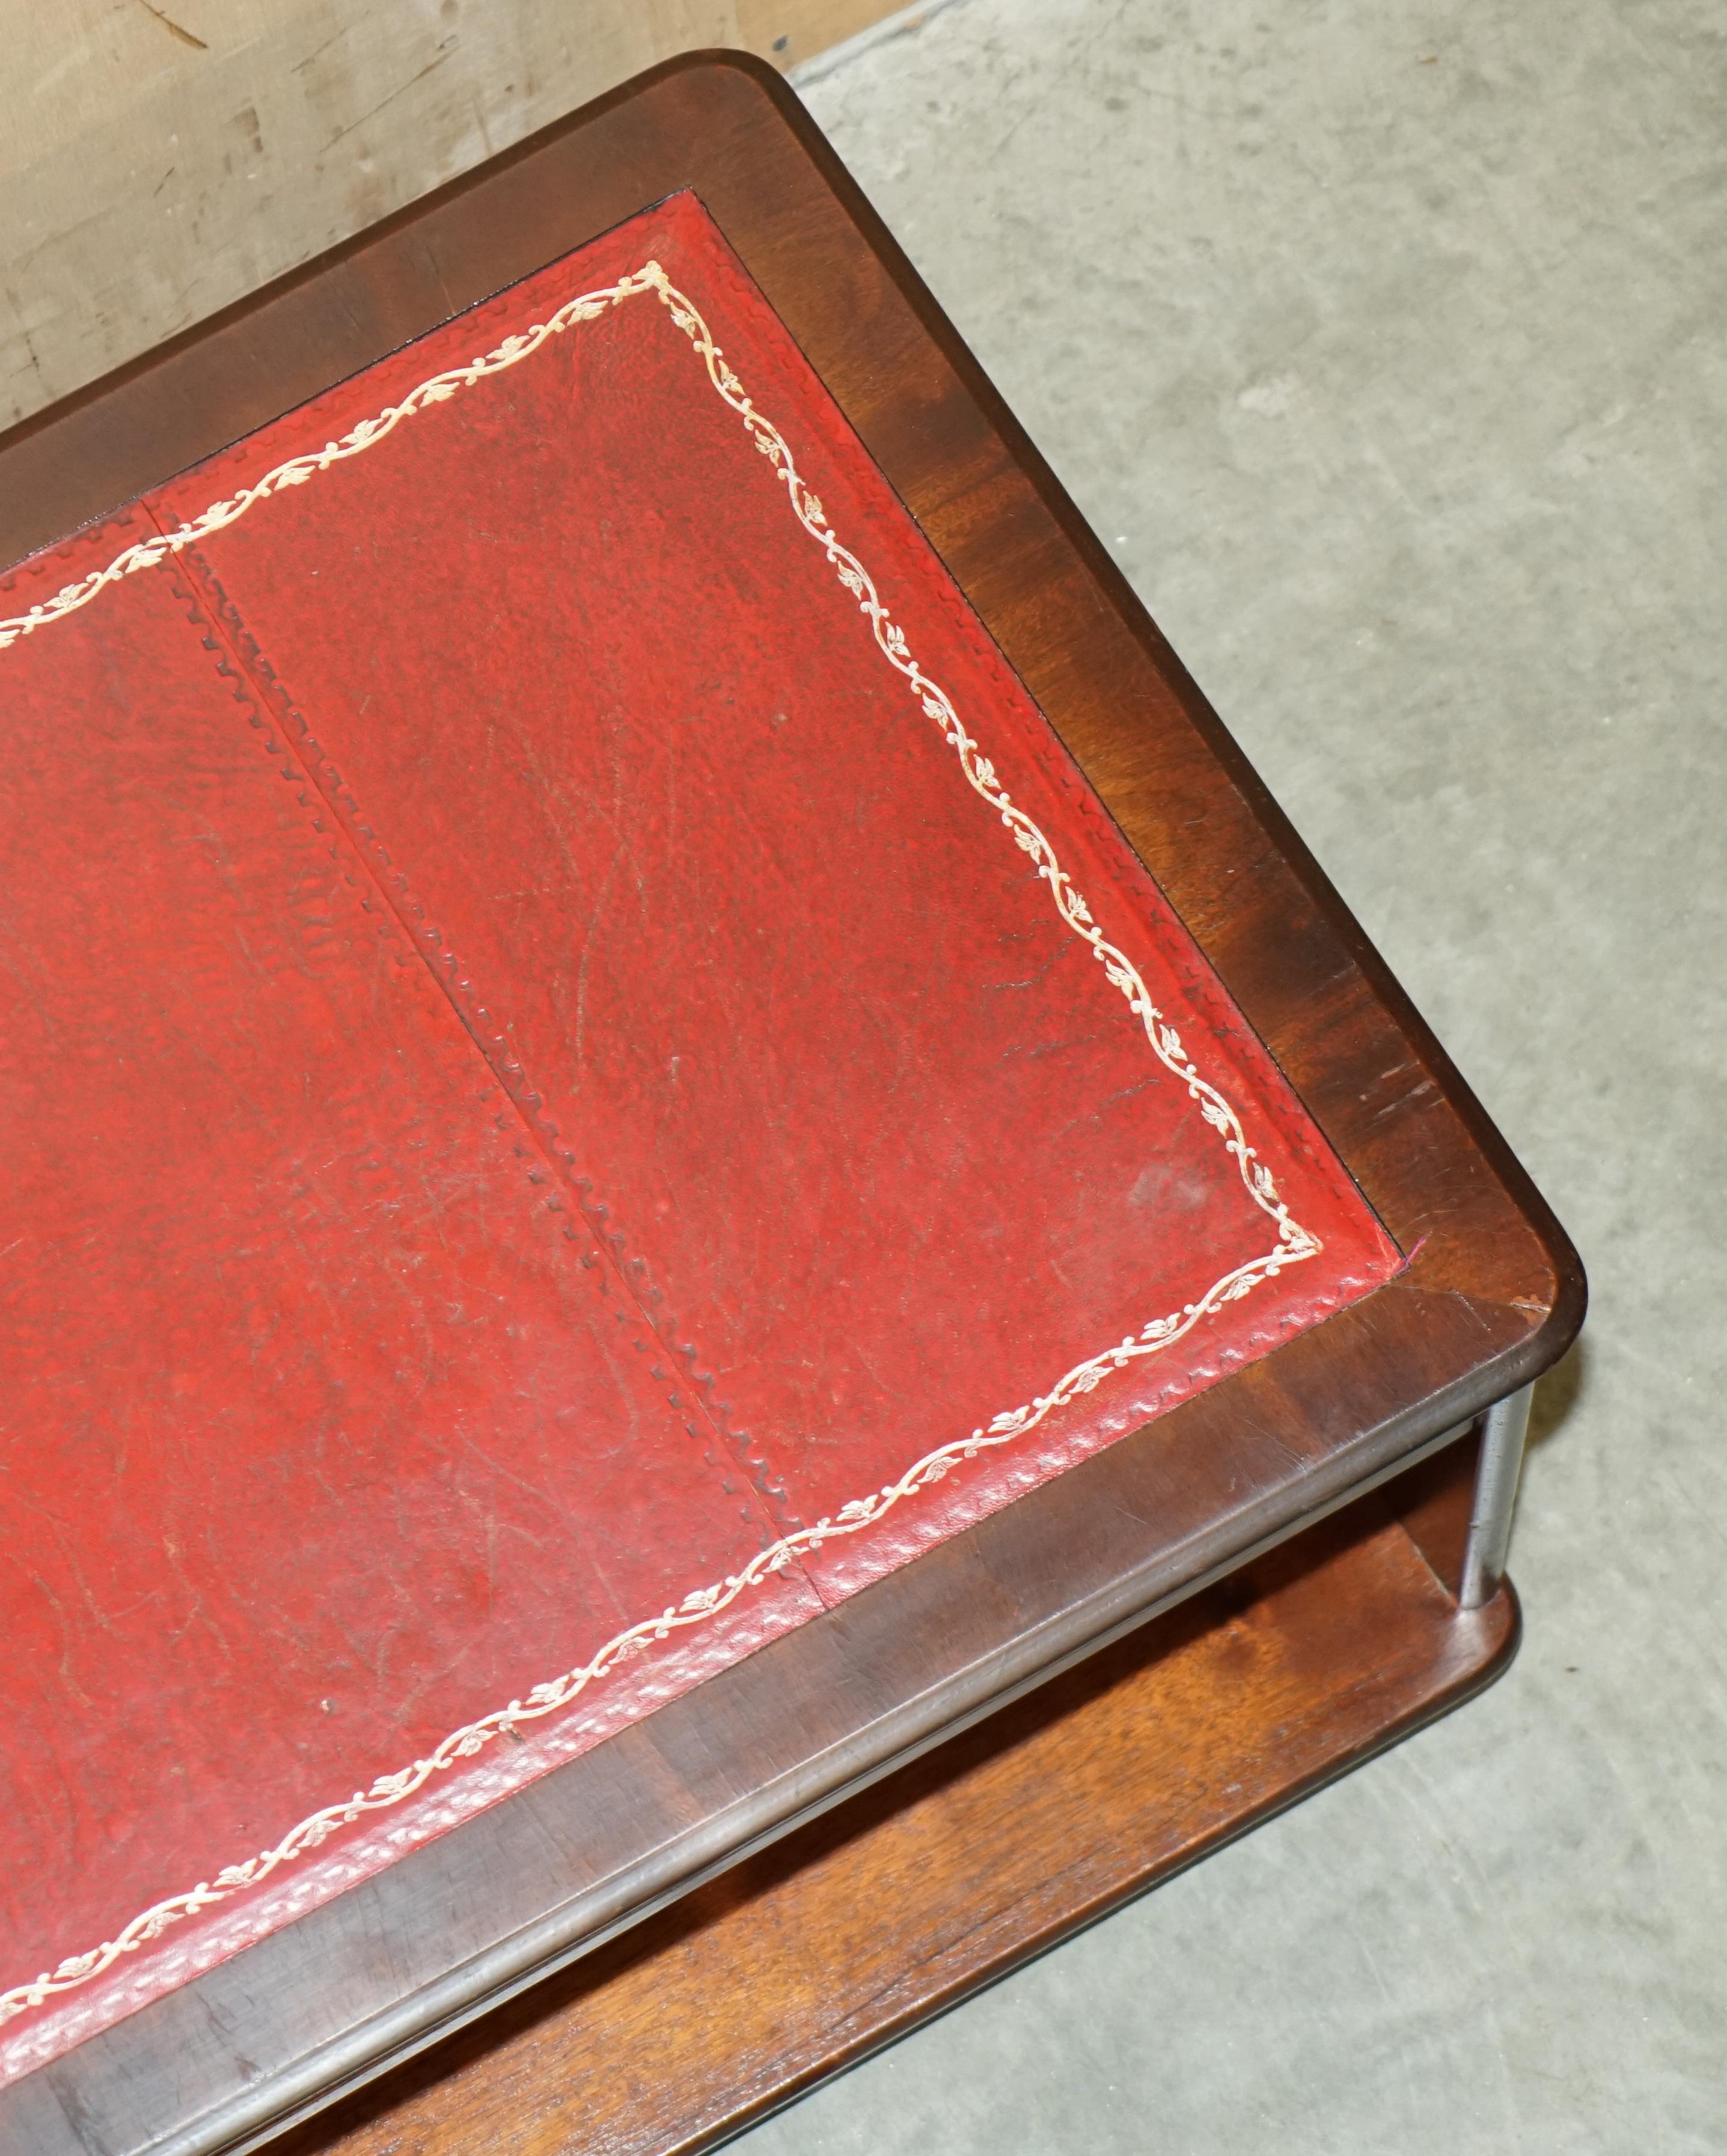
[1493,1629]
[1500,1621]
[572,2029]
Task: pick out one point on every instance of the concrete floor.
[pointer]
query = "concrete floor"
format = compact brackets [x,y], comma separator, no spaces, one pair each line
[1385,343]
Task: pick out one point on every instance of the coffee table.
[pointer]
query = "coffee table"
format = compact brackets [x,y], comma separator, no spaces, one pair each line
[1090,1641]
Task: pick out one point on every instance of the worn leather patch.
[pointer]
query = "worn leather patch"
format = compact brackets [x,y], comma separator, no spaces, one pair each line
[580,1075]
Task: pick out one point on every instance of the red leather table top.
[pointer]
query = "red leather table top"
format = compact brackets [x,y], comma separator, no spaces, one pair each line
[580,1076]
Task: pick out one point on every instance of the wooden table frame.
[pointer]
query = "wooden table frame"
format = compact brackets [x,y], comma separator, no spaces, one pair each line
[1490,1294]
[799,1962]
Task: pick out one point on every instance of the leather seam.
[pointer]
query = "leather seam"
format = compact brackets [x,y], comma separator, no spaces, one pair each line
[249,665]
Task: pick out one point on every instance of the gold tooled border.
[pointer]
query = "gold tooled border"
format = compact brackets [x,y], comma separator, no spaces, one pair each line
[1293,1243]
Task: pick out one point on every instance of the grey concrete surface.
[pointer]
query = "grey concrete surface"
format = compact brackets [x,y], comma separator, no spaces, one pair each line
[1385,343]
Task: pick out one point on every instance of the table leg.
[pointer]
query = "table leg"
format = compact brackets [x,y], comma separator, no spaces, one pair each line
[1505,1428]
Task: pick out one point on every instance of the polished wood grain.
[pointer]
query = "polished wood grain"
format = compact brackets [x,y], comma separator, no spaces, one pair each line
[940,1878]
[1490,1294]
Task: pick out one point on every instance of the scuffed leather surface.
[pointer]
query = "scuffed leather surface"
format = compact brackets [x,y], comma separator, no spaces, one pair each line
[875,1140]
[528,1074]
[320,1413]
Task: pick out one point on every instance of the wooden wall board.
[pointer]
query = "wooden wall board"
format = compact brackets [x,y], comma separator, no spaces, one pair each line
[158,161]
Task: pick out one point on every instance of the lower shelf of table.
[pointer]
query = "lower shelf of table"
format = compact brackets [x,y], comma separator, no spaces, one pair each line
[1011,1836]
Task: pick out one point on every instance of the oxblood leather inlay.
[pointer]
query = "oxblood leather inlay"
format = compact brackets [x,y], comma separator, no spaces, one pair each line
[533,1070]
